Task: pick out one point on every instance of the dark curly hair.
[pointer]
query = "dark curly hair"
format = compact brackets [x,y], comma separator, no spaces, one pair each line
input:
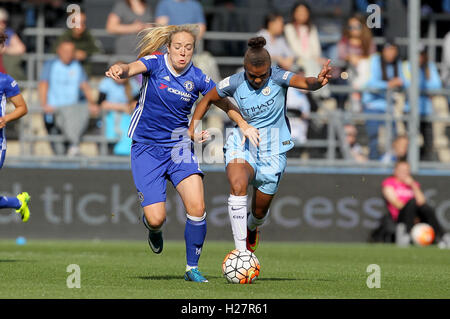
[256,54]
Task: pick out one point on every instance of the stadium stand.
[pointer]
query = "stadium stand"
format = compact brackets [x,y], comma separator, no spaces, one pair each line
[229,25]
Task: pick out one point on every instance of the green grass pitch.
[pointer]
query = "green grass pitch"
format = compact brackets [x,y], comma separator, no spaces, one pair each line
[128,269]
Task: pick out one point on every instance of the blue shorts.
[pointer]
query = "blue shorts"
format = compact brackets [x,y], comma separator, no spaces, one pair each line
[268,169]
[2,158]
[152,165]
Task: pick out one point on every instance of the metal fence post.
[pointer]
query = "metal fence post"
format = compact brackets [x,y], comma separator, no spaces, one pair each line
[40,39]
[389,120]
[413,93]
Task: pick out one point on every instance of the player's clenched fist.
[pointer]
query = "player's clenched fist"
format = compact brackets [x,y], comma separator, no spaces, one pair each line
[115,72]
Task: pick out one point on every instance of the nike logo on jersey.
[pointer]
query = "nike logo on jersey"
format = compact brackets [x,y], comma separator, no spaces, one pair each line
[163,86]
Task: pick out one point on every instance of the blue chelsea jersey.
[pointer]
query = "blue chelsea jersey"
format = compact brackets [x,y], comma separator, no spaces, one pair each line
[8,88]
[264,108]
[166,99]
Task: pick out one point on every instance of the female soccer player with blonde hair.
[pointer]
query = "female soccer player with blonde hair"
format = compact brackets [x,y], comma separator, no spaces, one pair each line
[162,148]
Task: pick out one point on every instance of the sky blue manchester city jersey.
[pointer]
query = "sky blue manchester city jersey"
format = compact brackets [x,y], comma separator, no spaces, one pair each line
[166,100]
[8,88]
[264,108]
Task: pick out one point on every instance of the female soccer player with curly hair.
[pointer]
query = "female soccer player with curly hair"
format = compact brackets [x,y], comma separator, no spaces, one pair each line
[162,148]
[260,92]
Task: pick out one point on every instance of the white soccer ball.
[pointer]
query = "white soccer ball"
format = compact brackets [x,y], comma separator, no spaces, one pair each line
[241,267]
[422,234]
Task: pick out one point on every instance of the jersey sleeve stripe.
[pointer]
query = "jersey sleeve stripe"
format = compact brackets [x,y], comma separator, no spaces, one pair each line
[137,113]
[2,131]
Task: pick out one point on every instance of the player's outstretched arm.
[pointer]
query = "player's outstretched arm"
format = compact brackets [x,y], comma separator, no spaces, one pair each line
[123,71]
[312,83]
[19,111]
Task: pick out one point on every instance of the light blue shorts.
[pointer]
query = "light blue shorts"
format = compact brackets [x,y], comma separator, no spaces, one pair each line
[268,169]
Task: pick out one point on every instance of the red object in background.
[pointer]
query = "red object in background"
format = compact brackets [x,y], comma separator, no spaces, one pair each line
[2,68]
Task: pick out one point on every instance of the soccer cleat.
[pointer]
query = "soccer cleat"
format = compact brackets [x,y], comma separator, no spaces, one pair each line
[194,275]
[252,239]
[155,239]
[24,211]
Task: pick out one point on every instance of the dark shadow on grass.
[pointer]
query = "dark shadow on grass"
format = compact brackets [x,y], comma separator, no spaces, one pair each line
[166,277]
[172,277]
[16,261]
[293,279]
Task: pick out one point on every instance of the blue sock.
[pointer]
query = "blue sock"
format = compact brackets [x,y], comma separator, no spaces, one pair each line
[9,202]
[194,235]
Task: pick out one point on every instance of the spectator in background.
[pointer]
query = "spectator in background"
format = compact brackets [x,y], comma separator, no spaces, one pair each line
[303,39]
[428,80]
[298,110]
[276,44]
[356,151]
[357,42]
[329,16]
[176,12]
[385,74]
[354,48]
[406,202]
[118,99]
[13,45]
[56,12]
[446,62]
[85,43]
[398,151]
[60,98]
[126,20]
[13,49]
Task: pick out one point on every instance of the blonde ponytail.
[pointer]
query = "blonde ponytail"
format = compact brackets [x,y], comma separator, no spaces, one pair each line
[154,38]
